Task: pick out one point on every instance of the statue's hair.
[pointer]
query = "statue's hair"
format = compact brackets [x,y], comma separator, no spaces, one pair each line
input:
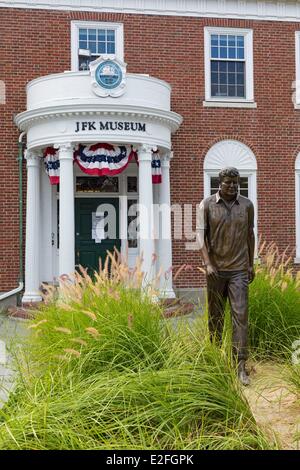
[229,171]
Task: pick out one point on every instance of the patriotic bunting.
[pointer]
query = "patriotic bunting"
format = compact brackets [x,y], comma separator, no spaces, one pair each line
[103,159]
[156,168]
[51,162]
[99,160]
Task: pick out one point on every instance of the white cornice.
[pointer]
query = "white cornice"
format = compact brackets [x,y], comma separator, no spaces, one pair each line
[27,118]
[250,9]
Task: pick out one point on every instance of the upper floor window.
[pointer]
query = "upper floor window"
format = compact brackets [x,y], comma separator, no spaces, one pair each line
[228,65]
[90,40]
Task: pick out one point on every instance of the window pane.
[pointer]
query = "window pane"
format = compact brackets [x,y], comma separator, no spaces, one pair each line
[101,35]
[240,91]
[214,39]
[240,41]
[223,90]
[110,48]
[231,78]
[83,34]
[111,35]
[101,48]
[214,185]
[101,184]
[214,66]
[92,35]
[223,66]
[223,78]
[231,41]
[231,90]
[214,78]
[214,90]
[223,53]
[223,40]
[131,184]
[214,53]
[231,67]
[83,45]
[232,53]
[93,47]
[240,67]
[240,53]
[240,79]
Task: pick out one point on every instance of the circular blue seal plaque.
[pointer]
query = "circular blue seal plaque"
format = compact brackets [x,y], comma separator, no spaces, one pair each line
[108,74]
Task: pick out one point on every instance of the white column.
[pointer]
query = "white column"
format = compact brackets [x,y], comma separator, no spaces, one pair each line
[165,232]
[146,214]
[32,272]
[66,210]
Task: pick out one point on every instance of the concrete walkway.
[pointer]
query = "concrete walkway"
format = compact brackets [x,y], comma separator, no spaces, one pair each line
[10,331]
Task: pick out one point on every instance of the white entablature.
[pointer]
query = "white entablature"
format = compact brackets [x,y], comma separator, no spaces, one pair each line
[63,108]
[284,10]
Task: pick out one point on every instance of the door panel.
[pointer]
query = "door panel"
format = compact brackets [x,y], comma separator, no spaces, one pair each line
[91,216]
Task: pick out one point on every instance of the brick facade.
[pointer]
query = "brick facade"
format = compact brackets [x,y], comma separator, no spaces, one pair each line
[37,42]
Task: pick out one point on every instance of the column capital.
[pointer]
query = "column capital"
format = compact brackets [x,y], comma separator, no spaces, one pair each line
[65,150]
[166,158]
[33,157]
[145,152]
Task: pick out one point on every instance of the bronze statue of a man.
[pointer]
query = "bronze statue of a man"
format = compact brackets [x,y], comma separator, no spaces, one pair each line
[225,235]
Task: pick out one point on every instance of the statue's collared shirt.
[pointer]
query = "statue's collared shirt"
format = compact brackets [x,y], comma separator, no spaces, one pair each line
[224,227]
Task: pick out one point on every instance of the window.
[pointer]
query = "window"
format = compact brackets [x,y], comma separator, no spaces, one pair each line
[97,184]
[90,40]
[228,65]
[232,153]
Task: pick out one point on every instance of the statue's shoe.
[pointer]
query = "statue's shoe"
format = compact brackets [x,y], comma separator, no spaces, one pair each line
[242,374]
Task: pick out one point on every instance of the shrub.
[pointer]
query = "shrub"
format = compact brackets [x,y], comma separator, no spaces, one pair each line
[274,305]
[103,370]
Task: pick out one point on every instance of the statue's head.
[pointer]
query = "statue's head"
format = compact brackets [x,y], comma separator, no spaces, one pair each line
[229,179]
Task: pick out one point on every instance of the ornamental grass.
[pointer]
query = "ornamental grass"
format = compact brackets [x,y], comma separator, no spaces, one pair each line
[102,369]
[274,305]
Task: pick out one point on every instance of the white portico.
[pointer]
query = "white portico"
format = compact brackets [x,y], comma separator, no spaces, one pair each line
[68,111]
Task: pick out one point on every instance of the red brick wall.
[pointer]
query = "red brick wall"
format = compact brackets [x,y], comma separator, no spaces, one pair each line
[37,42]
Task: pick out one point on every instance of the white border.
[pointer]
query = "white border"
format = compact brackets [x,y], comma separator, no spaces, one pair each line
[75,25]
[297,194]
[248,34]
[245,9]
[296,85]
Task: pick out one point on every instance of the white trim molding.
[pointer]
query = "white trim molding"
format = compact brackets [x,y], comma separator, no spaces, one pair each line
[296,84]
[275,10]
[297,192]
[75,25]
[249,85]
[229,104]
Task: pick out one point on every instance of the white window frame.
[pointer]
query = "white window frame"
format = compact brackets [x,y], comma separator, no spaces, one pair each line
[249,82]
[296,84]
[297,193]
[76,25]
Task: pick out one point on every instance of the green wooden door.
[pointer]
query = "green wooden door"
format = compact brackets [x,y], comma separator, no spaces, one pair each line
[96,230]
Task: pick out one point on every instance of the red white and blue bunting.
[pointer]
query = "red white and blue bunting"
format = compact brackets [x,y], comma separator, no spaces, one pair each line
[99,160]
[103,159]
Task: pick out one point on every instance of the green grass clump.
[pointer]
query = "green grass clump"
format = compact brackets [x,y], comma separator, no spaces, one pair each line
[274,307]
[130,380]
